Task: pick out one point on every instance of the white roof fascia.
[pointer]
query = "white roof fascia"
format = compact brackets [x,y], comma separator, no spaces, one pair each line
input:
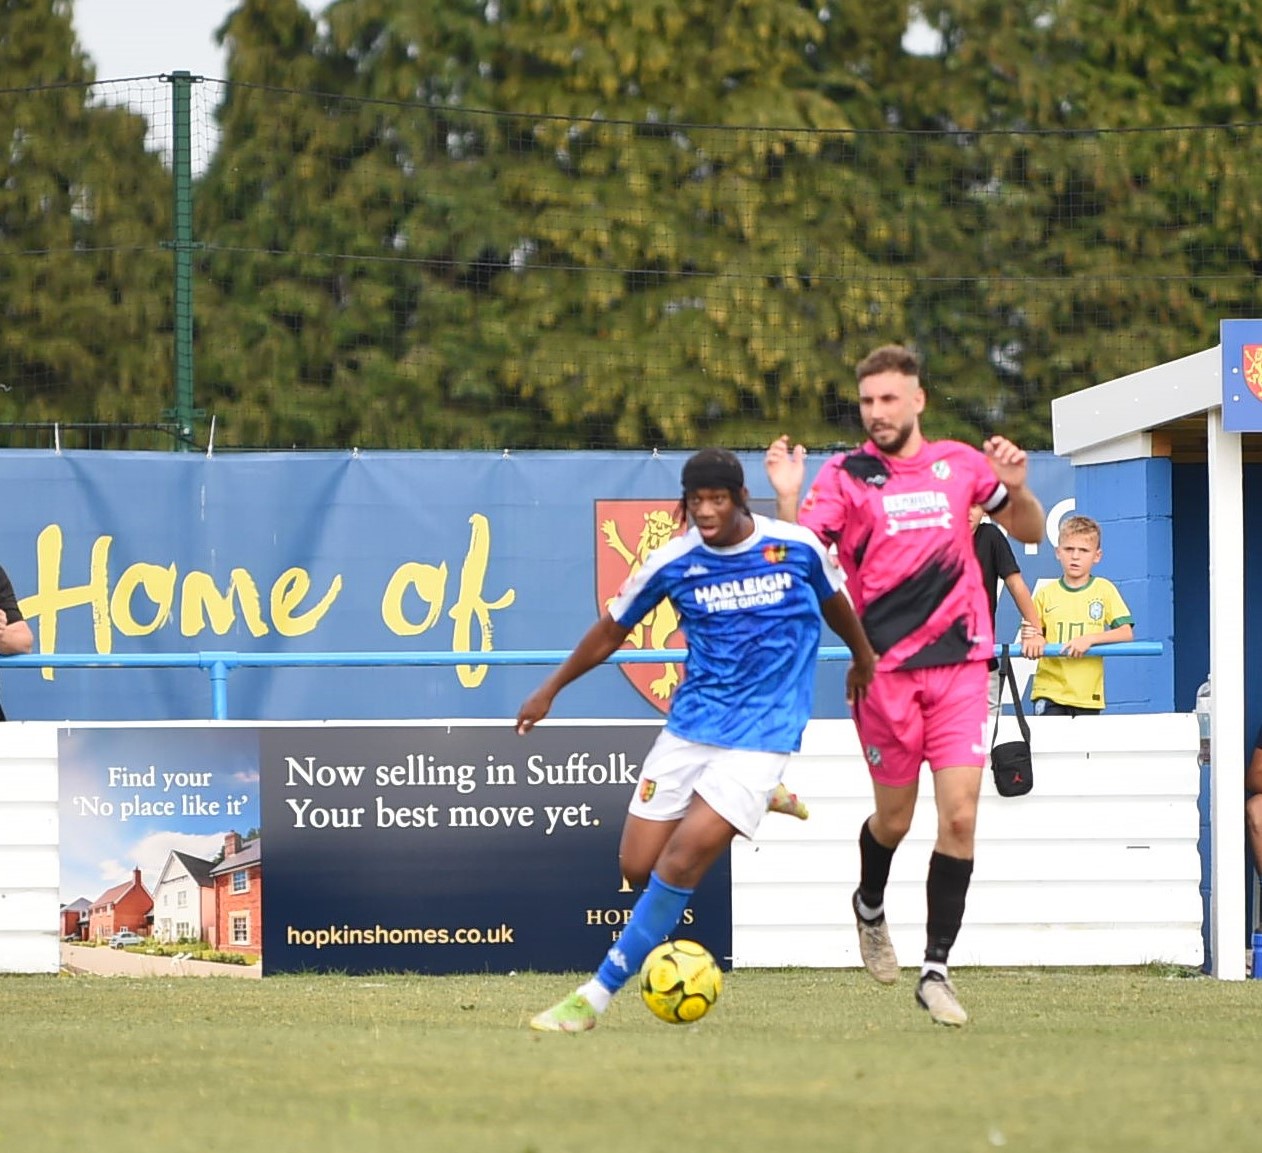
[1136,403]
[1137,446]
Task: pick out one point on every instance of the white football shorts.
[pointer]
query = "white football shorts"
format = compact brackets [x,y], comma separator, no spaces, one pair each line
[735,783]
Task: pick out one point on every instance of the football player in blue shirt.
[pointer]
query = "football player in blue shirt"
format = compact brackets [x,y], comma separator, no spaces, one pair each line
[749,592]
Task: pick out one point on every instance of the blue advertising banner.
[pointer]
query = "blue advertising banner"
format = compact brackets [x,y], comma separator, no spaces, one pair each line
[429,849]
[1241,345]
[123,553]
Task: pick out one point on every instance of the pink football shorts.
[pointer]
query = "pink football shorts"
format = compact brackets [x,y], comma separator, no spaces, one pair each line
[910,716]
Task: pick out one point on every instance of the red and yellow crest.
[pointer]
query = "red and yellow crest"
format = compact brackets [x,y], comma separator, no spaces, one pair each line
[1251,367]
[626,532]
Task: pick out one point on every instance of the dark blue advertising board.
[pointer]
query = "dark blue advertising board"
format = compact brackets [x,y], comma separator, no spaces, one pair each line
[455,849]
[360,849]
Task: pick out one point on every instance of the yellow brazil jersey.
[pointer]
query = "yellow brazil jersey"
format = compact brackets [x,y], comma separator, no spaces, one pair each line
[1067,613]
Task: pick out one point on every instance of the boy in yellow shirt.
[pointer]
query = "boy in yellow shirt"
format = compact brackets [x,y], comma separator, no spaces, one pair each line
[1076,612]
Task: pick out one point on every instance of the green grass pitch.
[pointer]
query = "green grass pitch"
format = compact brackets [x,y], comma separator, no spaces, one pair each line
[1059,1060]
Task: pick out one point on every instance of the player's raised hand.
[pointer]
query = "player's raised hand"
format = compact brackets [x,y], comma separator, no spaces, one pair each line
[786,467]
[1010,463]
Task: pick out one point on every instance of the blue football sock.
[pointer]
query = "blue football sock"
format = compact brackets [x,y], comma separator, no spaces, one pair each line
[653,919]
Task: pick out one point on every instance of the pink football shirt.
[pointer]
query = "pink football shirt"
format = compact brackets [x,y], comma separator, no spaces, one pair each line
[900,527]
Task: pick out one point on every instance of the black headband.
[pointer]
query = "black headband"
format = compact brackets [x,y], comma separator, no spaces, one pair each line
[713,468]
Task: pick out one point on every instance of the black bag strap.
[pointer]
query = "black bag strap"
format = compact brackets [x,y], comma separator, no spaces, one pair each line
[1007,675]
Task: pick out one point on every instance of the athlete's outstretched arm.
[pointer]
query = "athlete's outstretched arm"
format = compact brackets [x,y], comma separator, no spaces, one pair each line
[844,621]
[598,643]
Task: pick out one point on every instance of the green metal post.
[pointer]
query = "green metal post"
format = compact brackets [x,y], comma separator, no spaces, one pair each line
[182,164]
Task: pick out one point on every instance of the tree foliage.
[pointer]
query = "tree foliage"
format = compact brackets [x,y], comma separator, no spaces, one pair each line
[1097,158]
[545,235]
[85,290]
[579,223]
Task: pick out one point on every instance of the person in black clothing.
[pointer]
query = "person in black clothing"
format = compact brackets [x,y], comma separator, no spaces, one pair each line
[15,633]
[995,555]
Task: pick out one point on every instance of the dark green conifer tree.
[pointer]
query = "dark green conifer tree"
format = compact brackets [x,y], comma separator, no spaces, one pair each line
[85,285]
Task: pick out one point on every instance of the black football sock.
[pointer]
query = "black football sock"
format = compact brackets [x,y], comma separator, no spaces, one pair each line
[946,891]
[874,871]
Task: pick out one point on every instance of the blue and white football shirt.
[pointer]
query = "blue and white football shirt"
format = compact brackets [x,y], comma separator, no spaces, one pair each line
[751,616]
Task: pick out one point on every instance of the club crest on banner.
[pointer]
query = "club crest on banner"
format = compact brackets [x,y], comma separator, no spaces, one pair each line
[1251,356]
[626,532]
[1240,350]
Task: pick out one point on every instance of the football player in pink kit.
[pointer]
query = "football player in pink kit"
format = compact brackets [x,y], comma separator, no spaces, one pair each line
[897,512]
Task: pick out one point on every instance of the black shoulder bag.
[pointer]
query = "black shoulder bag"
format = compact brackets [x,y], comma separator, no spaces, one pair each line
[1011,762]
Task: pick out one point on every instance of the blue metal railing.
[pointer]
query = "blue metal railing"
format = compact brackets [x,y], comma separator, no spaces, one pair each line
[220,664]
